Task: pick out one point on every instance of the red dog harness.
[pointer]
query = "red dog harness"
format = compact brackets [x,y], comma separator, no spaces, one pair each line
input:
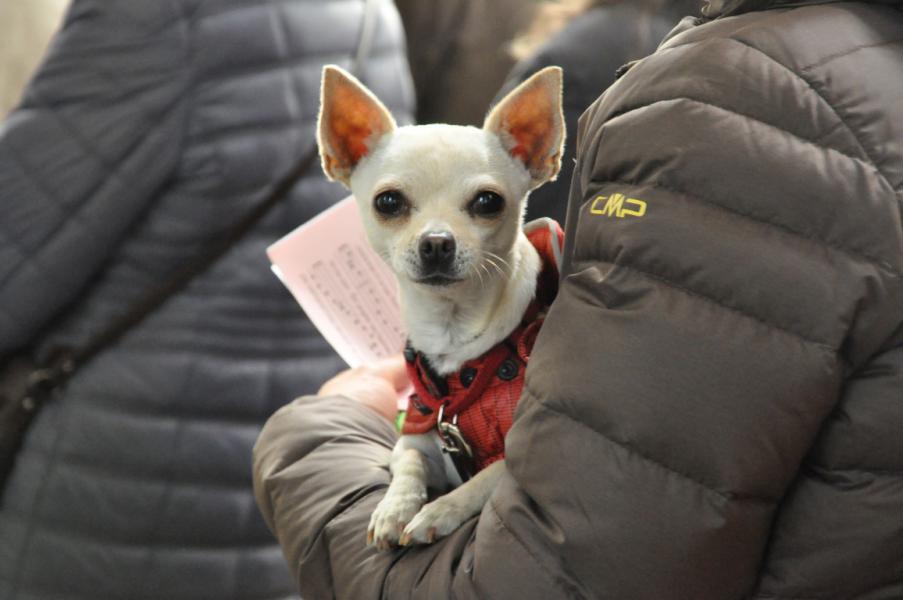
[480,398]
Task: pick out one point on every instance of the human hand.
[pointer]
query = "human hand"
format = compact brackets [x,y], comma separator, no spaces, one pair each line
[377,385]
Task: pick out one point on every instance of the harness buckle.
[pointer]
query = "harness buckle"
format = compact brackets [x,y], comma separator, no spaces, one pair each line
[453,443]
[452,439]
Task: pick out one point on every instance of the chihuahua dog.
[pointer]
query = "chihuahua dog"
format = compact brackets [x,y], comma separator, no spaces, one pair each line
[443,205]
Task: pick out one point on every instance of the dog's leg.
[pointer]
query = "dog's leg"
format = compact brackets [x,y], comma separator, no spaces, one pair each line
[416,465]
[446,513]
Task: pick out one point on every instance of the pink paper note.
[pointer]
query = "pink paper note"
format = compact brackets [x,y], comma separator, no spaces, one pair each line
[347,291]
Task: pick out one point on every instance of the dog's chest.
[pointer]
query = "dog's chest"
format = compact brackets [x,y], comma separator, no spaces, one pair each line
[451,338]
[480,398]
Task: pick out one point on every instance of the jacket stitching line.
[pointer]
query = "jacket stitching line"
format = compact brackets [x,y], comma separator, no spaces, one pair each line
[847,595]
[29,179]
[831,57]
[775,12]
[856,253]
[726,496]
[33,523]
[873,260]
[115,474]
[549,576]
[251,5]
[821,471]
[774,597]
[732,111]
[68,216]
[292,64]
[833,109]
[831,130]
[76,214]
[800,78]
[728,307]
[16,245]
[63,529]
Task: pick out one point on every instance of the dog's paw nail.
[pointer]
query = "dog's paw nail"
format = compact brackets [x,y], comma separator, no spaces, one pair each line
[405,539]
[431,535]
[369,537]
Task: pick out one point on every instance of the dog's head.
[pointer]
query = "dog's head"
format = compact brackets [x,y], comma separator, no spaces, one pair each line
[442,204]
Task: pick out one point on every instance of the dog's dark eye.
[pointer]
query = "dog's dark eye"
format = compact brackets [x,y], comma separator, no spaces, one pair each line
[390,204]
[486,204]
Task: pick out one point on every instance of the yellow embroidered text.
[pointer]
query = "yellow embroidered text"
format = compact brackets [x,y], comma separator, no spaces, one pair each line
[618,205]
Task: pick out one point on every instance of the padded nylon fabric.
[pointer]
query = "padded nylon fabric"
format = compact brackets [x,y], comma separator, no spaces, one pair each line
[713,409]
[150,129]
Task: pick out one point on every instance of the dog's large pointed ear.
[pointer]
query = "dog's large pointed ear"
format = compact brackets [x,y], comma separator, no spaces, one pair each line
[351,121]
[530,124]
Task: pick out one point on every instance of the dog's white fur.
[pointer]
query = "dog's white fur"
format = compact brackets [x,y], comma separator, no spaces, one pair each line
[439,170]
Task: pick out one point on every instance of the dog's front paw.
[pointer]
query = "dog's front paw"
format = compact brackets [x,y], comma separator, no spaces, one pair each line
[393,512]
[435,520]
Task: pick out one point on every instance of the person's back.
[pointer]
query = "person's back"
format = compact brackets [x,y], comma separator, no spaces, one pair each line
[712,408]
[150,130]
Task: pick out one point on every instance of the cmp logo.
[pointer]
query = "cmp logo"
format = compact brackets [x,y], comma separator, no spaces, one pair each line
[618,205]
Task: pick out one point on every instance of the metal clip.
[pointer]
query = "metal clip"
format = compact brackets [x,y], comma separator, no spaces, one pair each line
[453,443]
[452,439]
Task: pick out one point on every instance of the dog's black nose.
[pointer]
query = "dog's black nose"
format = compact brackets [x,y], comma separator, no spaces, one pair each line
[437,250]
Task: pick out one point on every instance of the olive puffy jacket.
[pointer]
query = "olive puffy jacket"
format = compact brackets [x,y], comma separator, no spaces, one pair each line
[714,407]
[152,127]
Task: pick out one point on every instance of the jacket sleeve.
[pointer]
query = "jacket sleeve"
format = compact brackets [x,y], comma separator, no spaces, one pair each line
[97,132]
[714,270]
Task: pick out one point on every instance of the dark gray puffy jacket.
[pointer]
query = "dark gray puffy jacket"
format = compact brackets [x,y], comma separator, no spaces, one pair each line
[714,407]
[152,126]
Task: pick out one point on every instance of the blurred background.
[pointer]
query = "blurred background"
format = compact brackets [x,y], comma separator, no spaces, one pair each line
[26,27]
[462,54]
[460,51]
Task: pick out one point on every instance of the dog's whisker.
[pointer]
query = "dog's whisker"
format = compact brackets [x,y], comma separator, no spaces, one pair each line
[494,260]
[488,274]
[495,265]
[475,269]
[498,258]
[482,264]
[479,275]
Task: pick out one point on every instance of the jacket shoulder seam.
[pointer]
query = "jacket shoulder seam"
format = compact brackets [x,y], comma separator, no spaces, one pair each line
[824,100]
[815,142]
[831,57]
[808,84]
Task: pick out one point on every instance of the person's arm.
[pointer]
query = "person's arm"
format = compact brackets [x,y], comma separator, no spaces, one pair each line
[97,133]
[676,386]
